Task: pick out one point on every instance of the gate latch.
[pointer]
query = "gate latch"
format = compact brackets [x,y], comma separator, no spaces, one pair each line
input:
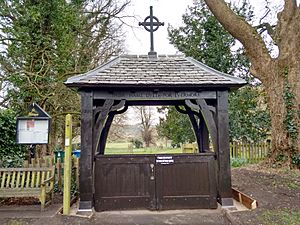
[152,171]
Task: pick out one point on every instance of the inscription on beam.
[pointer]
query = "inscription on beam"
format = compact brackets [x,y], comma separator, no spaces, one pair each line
[151,95]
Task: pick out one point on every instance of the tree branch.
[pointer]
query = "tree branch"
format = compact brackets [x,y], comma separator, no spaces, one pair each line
[243,31]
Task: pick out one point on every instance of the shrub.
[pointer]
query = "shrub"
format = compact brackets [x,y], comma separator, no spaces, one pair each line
[238,162]
[11,154]
[137,143]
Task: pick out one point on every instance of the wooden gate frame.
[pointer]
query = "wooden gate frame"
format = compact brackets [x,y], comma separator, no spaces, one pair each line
[207,110]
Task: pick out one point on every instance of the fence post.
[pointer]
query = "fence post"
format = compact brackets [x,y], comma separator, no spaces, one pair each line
[67,165]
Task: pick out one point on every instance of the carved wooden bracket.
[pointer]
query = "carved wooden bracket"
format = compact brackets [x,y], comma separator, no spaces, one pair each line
[104,116]
[207,113]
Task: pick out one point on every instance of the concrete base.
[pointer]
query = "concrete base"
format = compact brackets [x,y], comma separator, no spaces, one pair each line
[85,206]
[227,202]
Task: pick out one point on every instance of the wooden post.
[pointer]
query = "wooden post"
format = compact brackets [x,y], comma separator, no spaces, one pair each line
[67,165]
[224,173]
[86,155]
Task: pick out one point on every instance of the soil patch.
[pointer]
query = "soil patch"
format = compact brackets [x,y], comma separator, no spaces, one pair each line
[276,190]
[57,198]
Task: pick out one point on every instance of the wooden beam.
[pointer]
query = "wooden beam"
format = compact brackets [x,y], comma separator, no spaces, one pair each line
[86,158]
[100,121]
[202,107]
[195,126]
[223,153]
[204,134]
[154,95]
[104,134]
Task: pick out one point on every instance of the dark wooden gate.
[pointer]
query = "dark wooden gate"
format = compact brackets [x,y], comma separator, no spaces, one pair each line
[155,182]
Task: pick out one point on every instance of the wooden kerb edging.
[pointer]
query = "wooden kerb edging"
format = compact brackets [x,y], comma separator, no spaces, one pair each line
[244,199]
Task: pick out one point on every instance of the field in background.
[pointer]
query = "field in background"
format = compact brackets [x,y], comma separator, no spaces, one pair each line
[123,148]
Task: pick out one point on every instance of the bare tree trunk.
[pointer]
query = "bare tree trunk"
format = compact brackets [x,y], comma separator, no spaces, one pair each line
[145,115]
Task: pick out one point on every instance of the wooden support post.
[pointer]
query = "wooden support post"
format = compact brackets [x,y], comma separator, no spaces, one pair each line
[67,165]
[224,172]
[86,156]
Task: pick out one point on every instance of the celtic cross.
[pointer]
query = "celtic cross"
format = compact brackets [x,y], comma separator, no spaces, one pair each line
[151,24]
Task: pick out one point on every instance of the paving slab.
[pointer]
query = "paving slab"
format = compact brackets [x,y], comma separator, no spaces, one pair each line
[28,211]
[144,217]
[31,214]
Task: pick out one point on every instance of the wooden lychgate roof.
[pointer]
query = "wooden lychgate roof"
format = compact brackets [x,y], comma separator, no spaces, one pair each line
[145,71]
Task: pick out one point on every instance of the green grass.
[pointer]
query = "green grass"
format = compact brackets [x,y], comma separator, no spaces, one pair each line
[293,185]
[279,217]
[122,148]
[238,162]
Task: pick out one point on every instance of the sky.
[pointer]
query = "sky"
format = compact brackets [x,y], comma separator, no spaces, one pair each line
[168,11]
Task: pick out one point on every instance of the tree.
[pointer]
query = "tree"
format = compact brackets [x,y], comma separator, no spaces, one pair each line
[249,119]
[203,38]
[45,42]
[145,115]
[175,126]
[279,74]
[10,152]
[116,131]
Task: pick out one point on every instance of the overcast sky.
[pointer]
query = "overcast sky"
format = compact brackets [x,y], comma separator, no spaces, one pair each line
[169,12]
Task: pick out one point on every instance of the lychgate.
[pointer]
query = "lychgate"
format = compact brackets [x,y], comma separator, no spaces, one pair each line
[165,181]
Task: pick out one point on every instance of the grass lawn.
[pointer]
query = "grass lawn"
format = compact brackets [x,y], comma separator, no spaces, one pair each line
[122,148]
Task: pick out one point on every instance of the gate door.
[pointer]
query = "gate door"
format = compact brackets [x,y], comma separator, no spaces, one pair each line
[186,181]
[124,182]
[155,182]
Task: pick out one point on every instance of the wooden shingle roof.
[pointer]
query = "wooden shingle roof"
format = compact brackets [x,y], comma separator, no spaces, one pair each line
[163,71]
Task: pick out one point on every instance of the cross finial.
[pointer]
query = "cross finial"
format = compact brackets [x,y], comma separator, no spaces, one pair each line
[151,26]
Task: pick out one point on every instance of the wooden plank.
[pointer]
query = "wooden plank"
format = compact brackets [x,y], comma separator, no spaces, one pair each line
[18,179]
[33,179]
[8,179]
[23,179]
[28,175]
[25,169]
[43,176]
[244,199]
[13,179]
[3,178]
[38,179]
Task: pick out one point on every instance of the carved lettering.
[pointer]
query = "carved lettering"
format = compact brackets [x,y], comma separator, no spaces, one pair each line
[150,95]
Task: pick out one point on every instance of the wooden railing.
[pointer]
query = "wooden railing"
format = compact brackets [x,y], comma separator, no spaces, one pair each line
[252,152]
[48,161]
